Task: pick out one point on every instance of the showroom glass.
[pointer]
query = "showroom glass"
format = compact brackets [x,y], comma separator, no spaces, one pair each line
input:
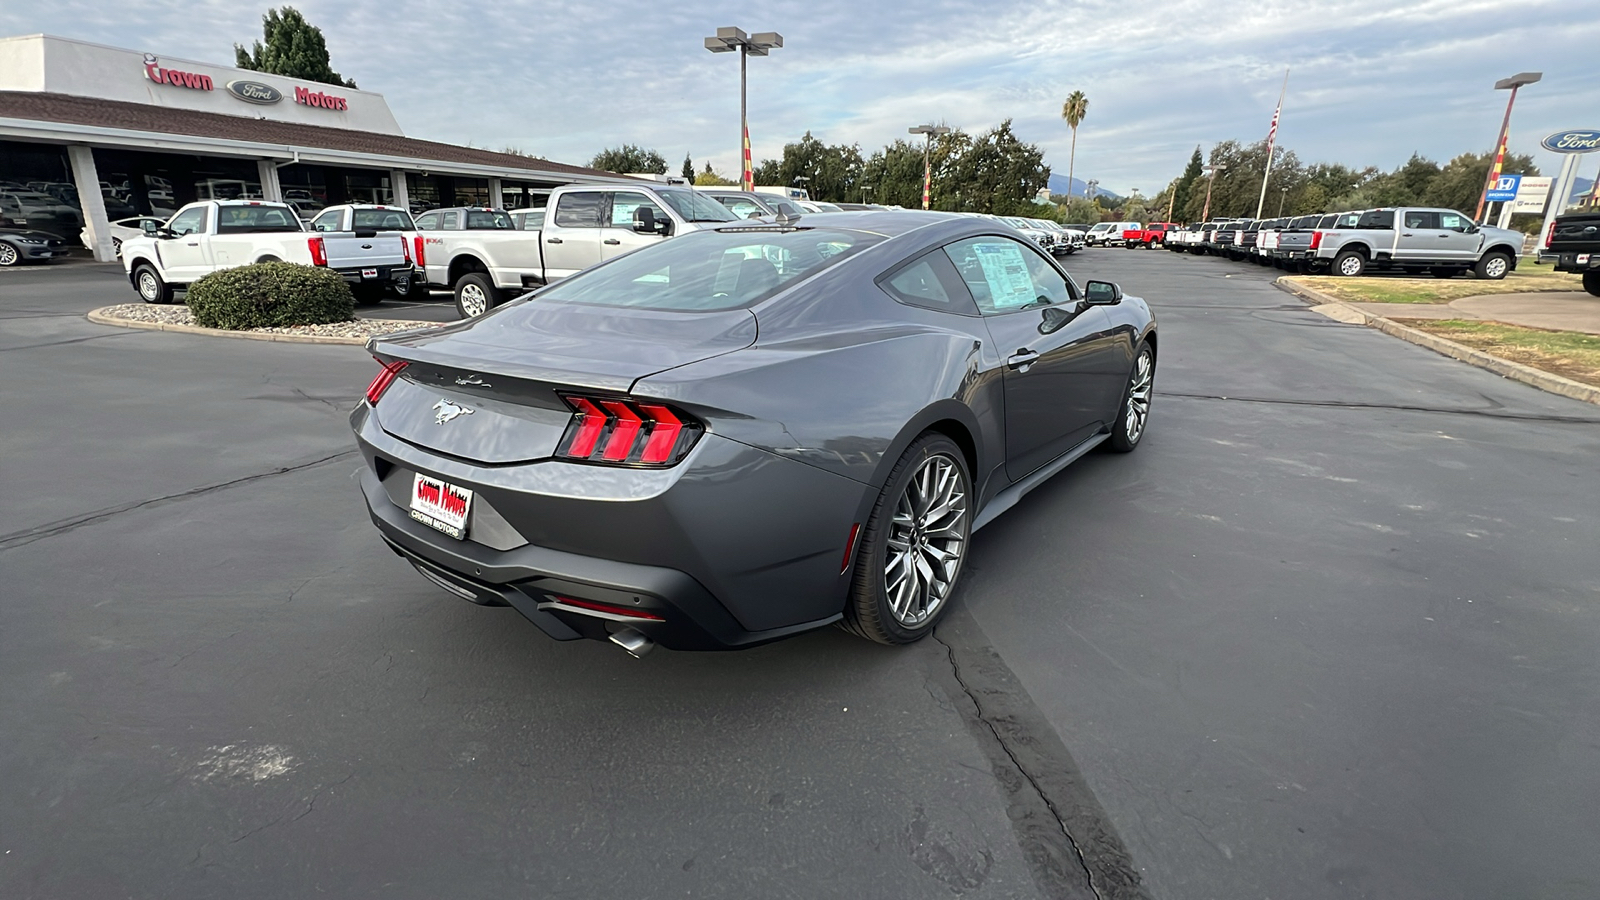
[1004,275]
[710,270]
[697,207]
[485,220]
[579,209]
[189,221]
[623,203]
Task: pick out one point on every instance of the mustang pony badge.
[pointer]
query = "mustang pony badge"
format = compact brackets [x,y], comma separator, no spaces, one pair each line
[444,411]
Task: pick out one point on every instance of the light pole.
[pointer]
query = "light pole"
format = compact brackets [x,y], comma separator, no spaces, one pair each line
[728,40]
[1516,81]
[1089,189]
[1282,198]
[800,178]
[931,131]
[866,193]
[1211,177]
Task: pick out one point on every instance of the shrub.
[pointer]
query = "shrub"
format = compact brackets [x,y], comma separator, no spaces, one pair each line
[270,295]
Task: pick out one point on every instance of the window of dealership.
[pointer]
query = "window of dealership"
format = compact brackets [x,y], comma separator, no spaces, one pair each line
[92,134]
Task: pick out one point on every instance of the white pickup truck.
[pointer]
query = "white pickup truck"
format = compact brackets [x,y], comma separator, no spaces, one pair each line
[384,220]
[484,258]
[211,235]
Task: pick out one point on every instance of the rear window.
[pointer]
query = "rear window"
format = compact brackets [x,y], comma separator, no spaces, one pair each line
[249,219]
[710,270]
[485,220]
[381,220]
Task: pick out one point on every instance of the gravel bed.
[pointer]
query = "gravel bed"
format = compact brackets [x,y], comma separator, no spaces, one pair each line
[178,314]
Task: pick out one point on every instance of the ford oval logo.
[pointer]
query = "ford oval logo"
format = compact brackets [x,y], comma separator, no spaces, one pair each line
[254,91]
[1573,141]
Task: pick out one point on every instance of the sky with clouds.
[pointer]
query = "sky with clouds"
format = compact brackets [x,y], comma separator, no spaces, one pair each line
[1371,81]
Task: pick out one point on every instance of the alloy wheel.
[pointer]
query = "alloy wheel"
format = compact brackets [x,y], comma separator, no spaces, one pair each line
[1495,267]
[1139,396]
[926,541]
[1350,266]
[473,301]
[8,255]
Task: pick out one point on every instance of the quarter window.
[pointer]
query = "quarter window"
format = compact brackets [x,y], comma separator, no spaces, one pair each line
[930,282]
[580,209]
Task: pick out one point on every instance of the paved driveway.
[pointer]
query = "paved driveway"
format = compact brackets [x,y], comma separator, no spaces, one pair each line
[1330,633]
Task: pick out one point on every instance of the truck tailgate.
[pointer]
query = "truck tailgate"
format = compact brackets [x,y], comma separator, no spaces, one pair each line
[346,251]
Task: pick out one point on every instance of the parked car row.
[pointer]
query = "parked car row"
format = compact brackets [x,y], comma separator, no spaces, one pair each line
[1418,240]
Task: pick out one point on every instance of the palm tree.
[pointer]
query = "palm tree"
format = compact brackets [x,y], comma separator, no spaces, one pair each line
[1076,107]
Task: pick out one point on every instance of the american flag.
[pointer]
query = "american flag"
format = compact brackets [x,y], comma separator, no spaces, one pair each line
[1272,133]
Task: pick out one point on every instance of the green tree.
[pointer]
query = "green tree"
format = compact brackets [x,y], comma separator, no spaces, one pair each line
[628,160]
[1460,181]
[688,168]
[293,47]
[1073,111]
[1191,176]
[708,178]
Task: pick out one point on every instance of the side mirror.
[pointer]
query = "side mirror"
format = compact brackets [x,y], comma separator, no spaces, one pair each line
[645,221]
[1102,293]
[149,227]
[1472,229]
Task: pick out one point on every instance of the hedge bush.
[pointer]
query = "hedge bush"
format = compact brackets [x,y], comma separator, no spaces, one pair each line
[270,295]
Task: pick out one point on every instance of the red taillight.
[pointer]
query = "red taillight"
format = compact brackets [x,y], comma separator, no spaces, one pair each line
[626,433]
[405,250]
[319,251]
[385,378]
[1316,239]
[422,257]
[1550,236]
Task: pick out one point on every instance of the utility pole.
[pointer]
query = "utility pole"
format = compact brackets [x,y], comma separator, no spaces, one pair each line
[1521,79]
[1211,177]
[728,40]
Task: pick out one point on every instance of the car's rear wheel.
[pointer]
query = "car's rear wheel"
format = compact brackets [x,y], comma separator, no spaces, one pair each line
[9,255]
[116,246]
[369,294]
[150,286]
[1494,266]
[1591,282]
[1135,414]
[1350,264]
[913,545]
[476,295]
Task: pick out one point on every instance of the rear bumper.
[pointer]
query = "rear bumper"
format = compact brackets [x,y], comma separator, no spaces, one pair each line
[1572,261]
[382,274]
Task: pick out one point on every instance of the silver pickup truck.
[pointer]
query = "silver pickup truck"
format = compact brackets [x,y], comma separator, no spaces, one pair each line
[1442,242]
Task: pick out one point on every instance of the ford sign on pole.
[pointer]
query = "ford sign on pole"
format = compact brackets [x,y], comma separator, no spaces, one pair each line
[1585,141]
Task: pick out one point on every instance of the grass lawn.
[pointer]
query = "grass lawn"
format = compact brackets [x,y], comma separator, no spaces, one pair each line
[1570,354]
[1528,278]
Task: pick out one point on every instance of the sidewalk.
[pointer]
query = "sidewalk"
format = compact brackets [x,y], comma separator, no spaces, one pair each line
[1572,311]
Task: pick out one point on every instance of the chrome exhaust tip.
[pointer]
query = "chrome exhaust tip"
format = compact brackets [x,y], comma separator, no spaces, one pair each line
[632,641]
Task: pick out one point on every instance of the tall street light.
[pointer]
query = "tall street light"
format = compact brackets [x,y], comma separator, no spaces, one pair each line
[1211,178]
[1511,84]
[932,131]
[728,40]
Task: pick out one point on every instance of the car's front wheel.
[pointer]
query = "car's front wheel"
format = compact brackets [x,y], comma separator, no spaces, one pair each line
[9,255]
[150,286]
[913,545]
[1134,416]
[1494,266]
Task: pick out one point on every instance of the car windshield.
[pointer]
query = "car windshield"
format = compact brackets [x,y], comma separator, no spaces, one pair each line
[381,220]
[710,270]
[255,218]
[697,207]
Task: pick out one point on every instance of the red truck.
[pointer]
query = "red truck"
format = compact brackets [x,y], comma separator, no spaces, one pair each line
[1148,236]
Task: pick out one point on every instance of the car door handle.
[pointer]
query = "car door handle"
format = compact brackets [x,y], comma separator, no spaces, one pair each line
[1022,359]
[552,240]
[612,241]
[1406,234]
[194,243]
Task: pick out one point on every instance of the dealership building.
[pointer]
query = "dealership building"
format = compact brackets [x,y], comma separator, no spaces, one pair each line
[92,134]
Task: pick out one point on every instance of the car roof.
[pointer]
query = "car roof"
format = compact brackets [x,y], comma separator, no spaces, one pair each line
[887,222]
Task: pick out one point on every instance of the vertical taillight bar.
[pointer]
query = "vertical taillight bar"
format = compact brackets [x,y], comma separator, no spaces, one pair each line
[319,251]
[422,256]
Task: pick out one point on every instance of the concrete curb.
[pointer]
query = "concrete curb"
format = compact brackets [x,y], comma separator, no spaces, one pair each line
[99,317]
[1341,311]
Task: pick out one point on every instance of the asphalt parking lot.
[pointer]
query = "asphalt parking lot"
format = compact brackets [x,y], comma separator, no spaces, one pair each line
[1330,633]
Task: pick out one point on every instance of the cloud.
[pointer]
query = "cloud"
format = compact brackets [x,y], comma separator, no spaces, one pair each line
[1371,80]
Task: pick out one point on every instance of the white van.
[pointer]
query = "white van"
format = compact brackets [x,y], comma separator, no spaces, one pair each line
[1100,232]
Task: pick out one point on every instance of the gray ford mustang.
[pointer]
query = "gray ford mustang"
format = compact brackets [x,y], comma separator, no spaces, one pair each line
[738,435]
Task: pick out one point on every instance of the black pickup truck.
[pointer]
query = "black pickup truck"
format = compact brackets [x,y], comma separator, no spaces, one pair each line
[1575,243]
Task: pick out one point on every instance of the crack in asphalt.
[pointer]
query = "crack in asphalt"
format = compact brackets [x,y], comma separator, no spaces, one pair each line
[92,337]
[955,668]
[30,535]
[1399,407]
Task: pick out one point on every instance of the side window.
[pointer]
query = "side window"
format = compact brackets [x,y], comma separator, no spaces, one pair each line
[1377,219]
[1004,276]
[450,221]
[623,203]
[929,282]
[326,222]
[1421,218]
[190,221]
[428,222]
[579,210]
[1454,221]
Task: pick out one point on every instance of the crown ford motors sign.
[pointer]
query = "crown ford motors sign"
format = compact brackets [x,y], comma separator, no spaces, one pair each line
[1576,141]
[254,92]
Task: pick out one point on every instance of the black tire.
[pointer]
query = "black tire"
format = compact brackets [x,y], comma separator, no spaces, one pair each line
[268,258]
[868,612]
[1493,266]
[1350,264]
[476,295]
[147,281]
[368,294]
[416,289]
[116,247]
[1591,282]
[1133,417]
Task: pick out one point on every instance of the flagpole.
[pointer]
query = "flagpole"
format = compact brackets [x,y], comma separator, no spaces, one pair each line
[1271,142]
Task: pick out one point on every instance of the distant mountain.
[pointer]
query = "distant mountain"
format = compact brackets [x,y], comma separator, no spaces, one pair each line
[1080,188]
[1580,188]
